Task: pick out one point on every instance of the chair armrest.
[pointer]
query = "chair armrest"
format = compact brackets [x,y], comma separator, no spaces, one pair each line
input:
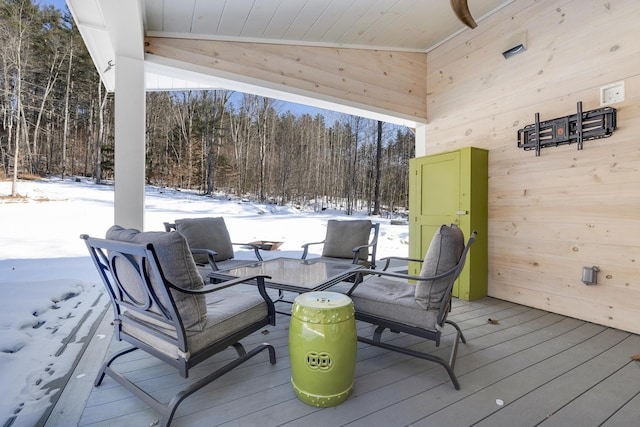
[456,269]
[222,285]
[305,246]
[356,251]
[259,279]
[358,274]
[255,248]
[357,248]
[211,254]
[388,259]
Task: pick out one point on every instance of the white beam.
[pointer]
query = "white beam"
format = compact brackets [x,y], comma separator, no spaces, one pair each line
[123,19]
[129,143]
[92,28]
[421,140]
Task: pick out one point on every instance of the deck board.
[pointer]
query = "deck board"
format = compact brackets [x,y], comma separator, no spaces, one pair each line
[529,393]
[537,363]
[427,391]
[594,403]
[627,415]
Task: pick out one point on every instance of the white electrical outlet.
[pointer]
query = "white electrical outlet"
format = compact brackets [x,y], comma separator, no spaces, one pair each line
[612,93]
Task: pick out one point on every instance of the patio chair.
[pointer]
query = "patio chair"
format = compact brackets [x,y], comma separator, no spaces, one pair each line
[353,241]
[210,243]
[418,309]
[161,306]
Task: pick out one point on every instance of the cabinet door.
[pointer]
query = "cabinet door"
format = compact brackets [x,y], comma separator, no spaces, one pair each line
[434,199]
[451,188]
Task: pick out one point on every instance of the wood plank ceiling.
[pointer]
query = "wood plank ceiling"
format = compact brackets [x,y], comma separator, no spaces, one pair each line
[410,25]
[188,42]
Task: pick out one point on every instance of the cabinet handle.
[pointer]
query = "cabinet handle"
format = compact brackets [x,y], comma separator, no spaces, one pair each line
[461,212]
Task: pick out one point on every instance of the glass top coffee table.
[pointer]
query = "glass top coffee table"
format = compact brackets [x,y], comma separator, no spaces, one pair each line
[293,275]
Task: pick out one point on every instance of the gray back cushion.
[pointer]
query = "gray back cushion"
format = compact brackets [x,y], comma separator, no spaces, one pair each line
[343,236]
[206,233]
[444,253]
[178,267]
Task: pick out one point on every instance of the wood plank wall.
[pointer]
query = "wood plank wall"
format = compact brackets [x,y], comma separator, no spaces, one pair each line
[384,81]
[550,216]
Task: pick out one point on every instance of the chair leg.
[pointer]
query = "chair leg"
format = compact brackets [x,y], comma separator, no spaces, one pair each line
[178,398]
[167,411]
[377,334]
[455,325]
[108,363]
[454,351]
[239,349]
[417,354]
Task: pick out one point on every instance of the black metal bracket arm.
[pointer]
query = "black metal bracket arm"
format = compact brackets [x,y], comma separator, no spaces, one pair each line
[580,127]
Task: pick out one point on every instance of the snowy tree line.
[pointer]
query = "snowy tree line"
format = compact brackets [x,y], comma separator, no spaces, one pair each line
[57,119]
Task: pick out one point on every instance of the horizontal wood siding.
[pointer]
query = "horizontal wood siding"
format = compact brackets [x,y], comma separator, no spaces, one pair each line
[552,215]
[380,80]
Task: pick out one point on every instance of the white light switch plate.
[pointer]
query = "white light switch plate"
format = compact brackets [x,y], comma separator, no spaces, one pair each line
[611,94]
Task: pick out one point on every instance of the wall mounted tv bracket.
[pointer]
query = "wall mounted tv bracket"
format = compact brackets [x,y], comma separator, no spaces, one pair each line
[580,127]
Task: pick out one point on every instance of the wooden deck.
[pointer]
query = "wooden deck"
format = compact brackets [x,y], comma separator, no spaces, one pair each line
[531,368]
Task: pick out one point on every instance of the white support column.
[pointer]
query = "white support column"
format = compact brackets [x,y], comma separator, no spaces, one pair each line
[129,142]
[421,140]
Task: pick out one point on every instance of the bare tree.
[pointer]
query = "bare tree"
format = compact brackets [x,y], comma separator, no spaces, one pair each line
[376,196]
[214,135]
[101,132]
[14,34]
[203,140]
[65,131]
[352,171]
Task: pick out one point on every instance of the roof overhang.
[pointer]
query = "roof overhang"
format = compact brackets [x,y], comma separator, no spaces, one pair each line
[117,28]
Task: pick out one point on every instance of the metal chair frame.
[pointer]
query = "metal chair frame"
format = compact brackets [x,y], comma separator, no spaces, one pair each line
[143,259]
[444,308]
[372,245]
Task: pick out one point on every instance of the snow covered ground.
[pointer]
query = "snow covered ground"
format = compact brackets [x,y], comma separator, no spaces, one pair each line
[51,293]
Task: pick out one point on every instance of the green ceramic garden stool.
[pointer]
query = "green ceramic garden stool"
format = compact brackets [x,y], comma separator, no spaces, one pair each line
[322,347]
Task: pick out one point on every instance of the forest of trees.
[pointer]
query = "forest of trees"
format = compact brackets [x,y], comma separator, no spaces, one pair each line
[57,120]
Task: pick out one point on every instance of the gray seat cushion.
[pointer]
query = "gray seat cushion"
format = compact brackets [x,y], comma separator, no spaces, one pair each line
[228,311]
[206,233]
[343,236]
[178,267]
[392,300]
[444,253]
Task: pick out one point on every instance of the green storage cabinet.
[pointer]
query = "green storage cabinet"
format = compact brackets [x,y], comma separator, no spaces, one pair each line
[451,188]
